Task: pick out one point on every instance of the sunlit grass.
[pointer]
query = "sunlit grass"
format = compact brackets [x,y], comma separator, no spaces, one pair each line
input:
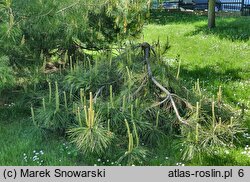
[217,57]
[22,144]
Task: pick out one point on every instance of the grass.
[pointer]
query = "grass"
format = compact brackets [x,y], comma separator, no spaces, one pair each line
[19,137]
[218,57]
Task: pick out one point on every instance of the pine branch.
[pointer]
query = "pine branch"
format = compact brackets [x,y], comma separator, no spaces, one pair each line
[98,93]
[68,7]
[147,48]
[140,87]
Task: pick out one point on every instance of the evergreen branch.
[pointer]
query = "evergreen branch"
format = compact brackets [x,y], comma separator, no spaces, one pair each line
[140,87]
[76,3]
[68,7]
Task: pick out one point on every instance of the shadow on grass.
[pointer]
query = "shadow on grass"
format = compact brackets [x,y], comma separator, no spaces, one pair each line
[212,78]
[163,17]
[228,27]
[212,74]
[234,29]
[223,160]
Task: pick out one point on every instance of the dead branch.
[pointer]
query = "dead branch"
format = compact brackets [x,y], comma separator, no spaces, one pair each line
[160,103]
[188,105]
[147,48]
[98,93]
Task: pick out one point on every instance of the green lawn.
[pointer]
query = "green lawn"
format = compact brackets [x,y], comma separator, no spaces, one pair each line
[217,57]
[19,138]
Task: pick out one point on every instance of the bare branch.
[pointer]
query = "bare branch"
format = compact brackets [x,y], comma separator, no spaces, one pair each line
[160,103]
[146,48]
[98,93]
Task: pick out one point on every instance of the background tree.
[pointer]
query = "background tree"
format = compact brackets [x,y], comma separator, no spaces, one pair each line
[211,13]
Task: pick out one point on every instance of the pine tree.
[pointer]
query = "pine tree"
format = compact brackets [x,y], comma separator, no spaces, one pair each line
[31,26]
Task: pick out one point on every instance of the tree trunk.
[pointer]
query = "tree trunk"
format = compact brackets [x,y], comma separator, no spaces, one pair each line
[211,14]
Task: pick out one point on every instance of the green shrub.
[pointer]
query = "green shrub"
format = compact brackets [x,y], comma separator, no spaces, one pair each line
[90,136]
[54,112]
[7,78]
[31,27]
[128,94]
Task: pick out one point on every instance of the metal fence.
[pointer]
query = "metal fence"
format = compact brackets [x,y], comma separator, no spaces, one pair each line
[242,6]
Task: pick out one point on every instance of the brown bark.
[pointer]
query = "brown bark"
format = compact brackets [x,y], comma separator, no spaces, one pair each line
[147,48]
[211,13]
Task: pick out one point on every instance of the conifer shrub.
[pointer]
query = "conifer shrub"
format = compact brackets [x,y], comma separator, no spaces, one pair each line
[7,76]
[126,109]
[29,28]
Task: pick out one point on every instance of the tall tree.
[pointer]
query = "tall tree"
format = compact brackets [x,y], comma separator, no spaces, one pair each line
[211,13]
